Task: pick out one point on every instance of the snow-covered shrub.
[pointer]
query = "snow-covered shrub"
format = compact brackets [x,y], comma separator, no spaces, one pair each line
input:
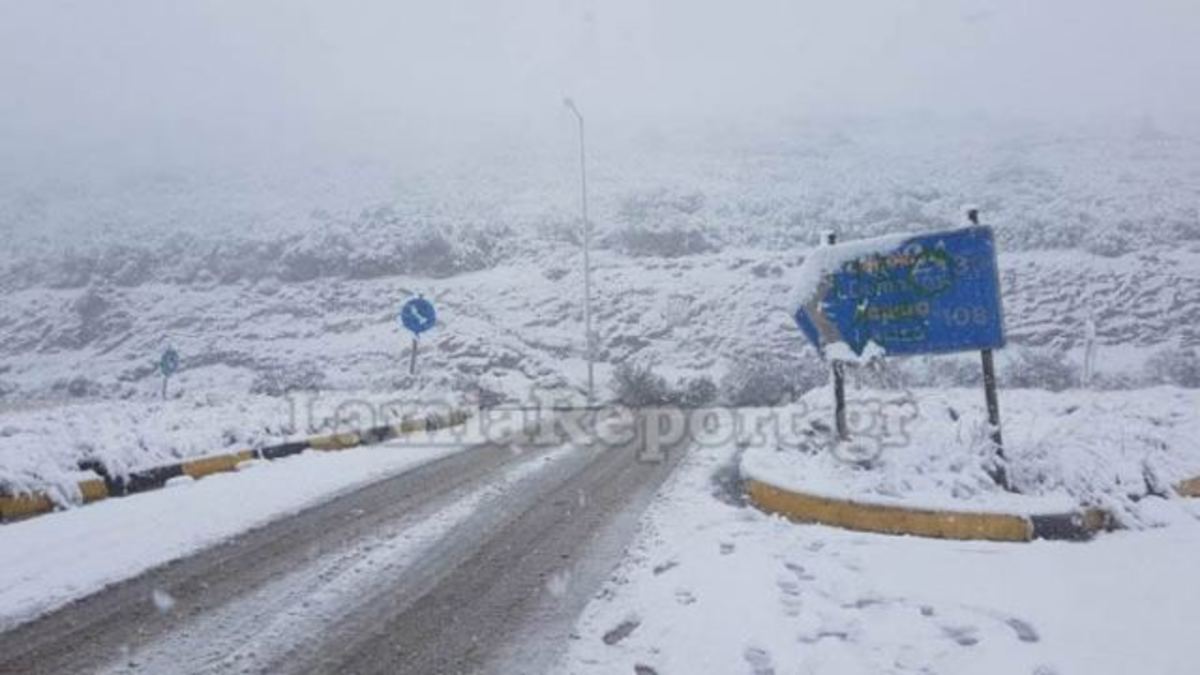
[560,228]
[281,380]
[875,374]
[1117,381]
[944,371]
[665,241]
[1180,367]
[662,223]
[70,270]
[1033,368]
[760,380]
[641,207]
[314,255]
[1110,242]
[640,387]
[78,387]
[697,392]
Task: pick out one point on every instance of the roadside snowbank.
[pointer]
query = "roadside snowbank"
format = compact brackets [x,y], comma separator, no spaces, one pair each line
[930,448]
[40,448]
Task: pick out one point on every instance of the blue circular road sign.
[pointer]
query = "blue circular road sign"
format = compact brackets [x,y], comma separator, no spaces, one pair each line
[169,363]
[418,315]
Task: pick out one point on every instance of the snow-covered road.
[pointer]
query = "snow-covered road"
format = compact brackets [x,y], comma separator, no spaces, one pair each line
[480,559]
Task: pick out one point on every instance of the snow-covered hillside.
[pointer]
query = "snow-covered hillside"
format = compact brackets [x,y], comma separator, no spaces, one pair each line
[263,290]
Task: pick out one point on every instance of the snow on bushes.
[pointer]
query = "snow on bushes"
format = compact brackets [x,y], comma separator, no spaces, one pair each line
[376,244]
[1036,368]
[1180,367]
[766,379]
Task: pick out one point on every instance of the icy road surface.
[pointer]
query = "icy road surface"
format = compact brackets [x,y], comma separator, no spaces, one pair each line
[480,560]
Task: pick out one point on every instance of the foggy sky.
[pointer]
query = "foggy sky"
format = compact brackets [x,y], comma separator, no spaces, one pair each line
[154,78]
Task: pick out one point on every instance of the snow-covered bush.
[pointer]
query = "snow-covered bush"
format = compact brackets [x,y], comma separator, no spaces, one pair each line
[1035,368]
[1111,242]
[662,223]
[281,380]
[78,387]
[698,392]
[640,387]
[760,380]
[875,374]
[377,243]
[944,371]
[665,241]
[1180,367]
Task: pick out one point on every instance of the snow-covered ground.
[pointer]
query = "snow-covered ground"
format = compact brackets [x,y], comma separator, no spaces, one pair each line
[713,586]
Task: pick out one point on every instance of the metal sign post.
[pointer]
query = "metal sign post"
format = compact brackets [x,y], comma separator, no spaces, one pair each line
[839,371]
[998,473]
[418,316]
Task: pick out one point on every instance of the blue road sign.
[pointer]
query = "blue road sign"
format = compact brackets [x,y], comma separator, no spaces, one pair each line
[418,315]
[931,293]
[169,363]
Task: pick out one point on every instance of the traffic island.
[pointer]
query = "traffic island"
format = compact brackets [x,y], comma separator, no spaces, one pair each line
[100,484]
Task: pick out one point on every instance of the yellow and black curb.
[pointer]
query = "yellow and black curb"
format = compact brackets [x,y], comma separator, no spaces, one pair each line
[17,506]
[887,519]
[1189,487]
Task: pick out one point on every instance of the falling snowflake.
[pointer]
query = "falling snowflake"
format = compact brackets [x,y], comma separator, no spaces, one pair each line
[163,600]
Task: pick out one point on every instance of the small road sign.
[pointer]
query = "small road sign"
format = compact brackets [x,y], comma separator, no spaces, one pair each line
[418,315]
[932,293]
[169,363]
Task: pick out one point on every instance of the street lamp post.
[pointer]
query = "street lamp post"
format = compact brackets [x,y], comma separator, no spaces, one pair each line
[587,258]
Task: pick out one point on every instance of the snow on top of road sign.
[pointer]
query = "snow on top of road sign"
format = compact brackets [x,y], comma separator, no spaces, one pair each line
[824,260]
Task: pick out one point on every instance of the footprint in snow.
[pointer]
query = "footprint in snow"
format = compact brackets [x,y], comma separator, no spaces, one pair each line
[964,636]
[800,572]
[1024,631]
[759,660]
[663,567]
[621,631]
